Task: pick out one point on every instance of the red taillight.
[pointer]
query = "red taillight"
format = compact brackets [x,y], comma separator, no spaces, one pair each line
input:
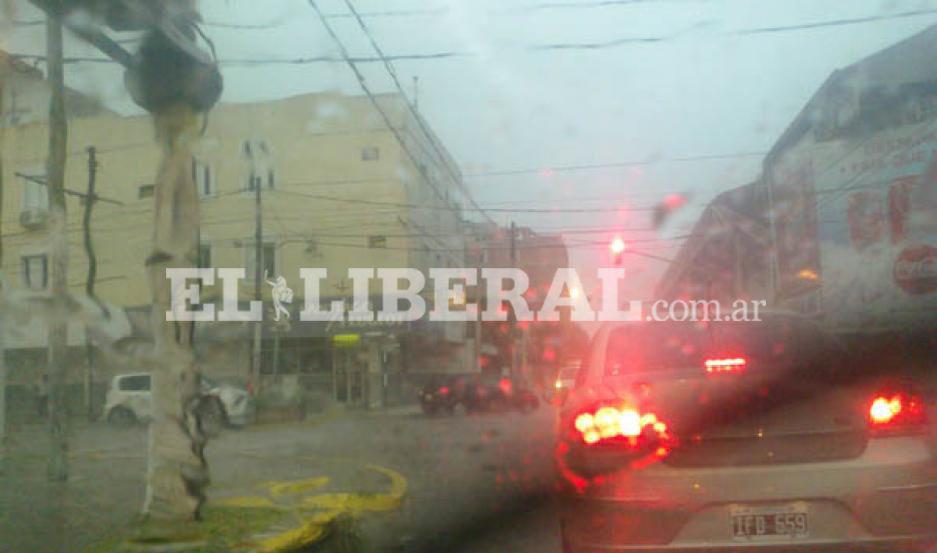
[608,424]
[444,390]
[728,365]
[896,413]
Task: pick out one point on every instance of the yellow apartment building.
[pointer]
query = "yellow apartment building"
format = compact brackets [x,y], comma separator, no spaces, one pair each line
[338,191]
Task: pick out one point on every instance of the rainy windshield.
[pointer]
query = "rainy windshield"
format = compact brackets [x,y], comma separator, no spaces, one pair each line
[468,275]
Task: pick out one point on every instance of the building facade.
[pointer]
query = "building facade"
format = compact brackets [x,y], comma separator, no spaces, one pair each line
[339,190]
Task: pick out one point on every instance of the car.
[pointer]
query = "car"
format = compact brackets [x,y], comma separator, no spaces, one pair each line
[564,382]
[728,436]
[443,394]
[129,399]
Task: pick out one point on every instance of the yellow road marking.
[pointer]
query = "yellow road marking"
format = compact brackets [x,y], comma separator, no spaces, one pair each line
[314,512]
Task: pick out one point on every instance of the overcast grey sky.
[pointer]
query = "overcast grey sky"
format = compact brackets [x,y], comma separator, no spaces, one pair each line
[507,106]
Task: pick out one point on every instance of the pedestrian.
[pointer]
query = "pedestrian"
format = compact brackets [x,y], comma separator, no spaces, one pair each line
[42,396]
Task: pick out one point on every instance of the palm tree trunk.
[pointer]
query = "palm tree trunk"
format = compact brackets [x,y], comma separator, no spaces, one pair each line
[177,472]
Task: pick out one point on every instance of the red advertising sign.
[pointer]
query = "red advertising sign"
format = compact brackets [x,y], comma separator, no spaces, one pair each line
[915,270]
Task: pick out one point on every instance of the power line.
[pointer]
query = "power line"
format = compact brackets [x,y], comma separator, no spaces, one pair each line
[402,205]
[441,157]
[545,47]
[546,171]
[834,22]
[377,106]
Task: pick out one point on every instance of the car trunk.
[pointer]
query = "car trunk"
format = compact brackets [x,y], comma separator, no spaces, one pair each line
[736,395]
[757,418]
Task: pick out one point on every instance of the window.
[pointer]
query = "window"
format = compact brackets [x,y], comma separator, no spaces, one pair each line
[35,196]
[36,271]
[377,241]
[146,191]
[204,181]
[654,347]
[370,153]
[135,383]
[256,177]
[269,266]
[255,147]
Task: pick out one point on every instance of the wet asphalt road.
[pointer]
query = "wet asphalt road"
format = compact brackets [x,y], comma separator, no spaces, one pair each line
[474,483]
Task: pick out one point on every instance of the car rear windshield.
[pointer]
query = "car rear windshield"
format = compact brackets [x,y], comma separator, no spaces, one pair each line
[642,348]
[765,344]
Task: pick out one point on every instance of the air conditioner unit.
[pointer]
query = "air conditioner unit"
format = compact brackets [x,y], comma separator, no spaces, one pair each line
[34,218]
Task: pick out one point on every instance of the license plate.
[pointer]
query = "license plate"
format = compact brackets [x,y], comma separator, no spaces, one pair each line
[755,523]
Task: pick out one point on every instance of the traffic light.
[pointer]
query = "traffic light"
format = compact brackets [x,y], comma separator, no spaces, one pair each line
[618,248]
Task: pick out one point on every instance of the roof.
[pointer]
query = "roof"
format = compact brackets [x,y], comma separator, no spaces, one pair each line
[908,61]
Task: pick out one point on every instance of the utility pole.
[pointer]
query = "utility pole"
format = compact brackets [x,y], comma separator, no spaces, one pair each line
[3,291]
[514,315]
[92,275]
[257,181]
[57,324]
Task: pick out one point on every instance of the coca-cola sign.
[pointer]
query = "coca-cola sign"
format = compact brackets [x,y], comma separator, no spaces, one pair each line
[915,270]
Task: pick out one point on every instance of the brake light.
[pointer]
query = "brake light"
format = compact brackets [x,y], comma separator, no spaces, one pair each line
[607,424]
[896,413]
[729,365]
[444,390]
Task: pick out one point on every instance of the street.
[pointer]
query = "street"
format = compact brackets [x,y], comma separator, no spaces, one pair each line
[473,483]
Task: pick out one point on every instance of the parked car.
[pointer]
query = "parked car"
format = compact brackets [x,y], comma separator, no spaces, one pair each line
[741,435]
[129,400]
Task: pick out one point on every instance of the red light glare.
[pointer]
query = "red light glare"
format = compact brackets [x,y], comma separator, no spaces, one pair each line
[674,201]
[883,410]
[617,246]
[725,365]
[444,390]
[610,422]
[896,412]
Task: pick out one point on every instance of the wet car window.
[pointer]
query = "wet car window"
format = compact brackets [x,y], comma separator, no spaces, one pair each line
[522,276]
[647,348]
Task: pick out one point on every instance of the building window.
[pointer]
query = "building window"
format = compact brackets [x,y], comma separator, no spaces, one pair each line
[146,191]
[258,177]
[255,147]
[36,271]
[204,180]
[269,264]
[377,241]
[370,153]
[35,196]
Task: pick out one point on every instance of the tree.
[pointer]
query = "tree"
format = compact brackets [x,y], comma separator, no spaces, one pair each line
[175,88]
